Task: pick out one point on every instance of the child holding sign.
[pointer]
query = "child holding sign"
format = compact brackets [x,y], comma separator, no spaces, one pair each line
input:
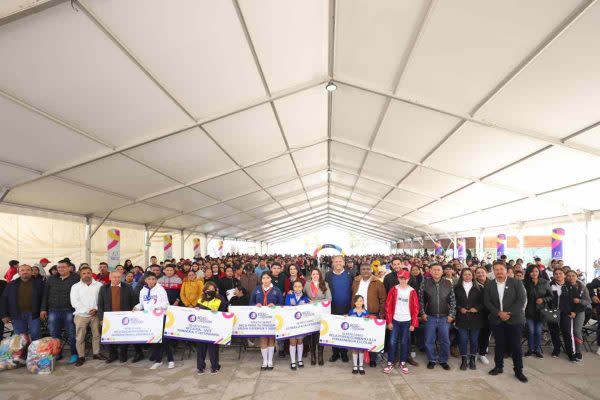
[268,295]
[358,356]
[209,301]
[296,298]
[401,314]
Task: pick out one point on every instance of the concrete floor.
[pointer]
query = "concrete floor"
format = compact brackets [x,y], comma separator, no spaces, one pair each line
[549,379]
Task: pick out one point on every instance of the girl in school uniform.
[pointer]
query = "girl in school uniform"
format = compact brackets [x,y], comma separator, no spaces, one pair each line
[296,298]
[358,356]
[268,295]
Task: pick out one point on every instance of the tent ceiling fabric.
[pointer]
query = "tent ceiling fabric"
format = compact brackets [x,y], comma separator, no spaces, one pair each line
[213,116]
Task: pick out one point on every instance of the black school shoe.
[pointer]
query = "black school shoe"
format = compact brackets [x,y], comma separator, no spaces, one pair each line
[354,370]
[519,375]
[79,361]
[495,371]
[445,366]
[430,365]
[361,370]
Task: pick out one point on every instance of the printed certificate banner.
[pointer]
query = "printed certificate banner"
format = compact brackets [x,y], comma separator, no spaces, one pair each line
[299,320]
[185,323]
[252,321]
[352,332]
[124,327]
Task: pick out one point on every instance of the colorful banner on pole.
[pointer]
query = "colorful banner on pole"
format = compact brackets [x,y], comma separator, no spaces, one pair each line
[352,332]
[113,248]
[168,247]
[461,251]
[220,248]
[252,321]
[124,327]
[438,249]
[294,321]
[557,243]
[184,323]
[197,248]
[500,245]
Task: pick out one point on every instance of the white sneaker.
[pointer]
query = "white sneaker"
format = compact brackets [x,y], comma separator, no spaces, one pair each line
[598,351]
[171,365]
[483,360]
[156,365]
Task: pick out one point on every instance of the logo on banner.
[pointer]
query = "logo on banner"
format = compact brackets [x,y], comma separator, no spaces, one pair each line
[298,315]
[191,318]
[252,315]
[125,321]
[345,326]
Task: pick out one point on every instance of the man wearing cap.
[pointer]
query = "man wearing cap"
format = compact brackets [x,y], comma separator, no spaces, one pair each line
[42,265]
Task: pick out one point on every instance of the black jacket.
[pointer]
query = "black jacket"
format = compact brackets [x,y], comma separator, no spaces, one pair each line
[512,302]
[565,302]
[534,292]
[473,300]
[128,299]
[57,293]
[437,299]
[390,280]
[9,302]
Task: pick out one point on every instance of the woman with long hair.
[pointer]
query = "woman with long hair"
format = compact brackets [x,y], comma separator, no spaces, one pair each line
[316,289]
[579,291]
[538,295]
[469,303]
[293,275]
[563,297]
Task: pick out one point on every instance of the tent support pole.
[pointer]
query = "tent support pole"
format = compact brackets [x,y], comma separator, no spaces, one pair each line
[146,246]
[183,239]
[88,240]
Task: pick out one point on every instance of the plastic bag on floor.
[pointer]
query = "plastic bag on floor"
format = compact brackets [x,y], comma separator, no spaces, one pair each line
[42,355]
[13,351]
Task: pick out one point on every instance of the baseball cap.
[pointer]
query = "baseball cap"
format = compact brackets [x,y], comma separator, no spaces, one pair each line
[403,274]
[44,260]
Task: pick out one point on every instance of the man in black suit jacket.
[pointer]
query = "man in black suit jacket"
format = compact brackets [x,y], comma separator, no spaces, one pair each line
[126,298]
[505,298]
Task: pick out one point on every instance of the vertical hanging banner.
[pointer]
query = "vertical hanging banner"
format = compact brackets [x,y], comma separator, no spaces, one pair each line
[220,248]
[460,248]
[438,248]
[197,249]
[557,243]
[168,246]
[500,245]
[113,248]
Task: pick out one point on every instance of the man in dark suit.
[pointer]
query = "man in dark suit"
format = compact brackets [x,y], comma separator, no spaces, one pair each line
[117,296]
[505,298]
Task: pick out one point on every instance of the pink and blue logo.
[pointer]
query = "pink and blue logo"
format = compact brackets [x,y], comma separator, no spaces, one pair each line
[298,315]
[125,321]
[345,326]
[252,315]
[191,318]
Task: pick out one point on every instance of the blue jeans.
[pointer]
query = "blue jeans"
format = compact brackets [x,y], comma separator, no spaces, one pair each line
[26,324]
[57,320]
[468,338]
[437,327]
[400,333]
[534,332]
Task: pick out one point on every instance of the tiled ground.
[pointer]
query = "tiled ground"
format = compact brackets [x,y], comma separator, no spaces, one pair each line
[549,379]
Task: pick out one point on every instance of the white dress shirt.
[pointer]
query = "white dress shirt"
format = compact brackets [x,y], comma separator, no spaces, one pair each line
[363,289]
[501,287]
[84,297]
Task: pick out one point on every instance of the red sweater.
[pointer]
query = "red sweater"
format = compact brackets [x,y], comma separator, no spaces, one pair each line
[413,305]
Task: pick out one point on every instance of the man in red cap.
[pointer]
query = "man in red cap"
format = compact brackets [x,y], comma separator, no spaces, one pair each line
[42,265]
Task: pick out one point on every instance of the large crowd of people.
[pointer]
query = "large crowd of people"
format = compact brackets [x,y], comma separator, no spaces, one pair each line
[441,307]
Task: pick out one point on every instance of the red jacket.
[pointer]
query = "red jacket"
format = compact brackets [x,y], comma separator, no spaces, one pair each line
[413,305]
[10,273]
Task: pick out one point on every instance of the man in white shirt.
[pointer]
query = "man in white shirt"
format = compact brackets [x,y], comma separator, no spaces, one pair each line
[84,299]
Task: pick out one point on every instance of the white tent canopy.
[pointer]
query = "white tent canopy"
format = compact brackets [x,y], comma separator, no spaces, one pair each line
[213,117]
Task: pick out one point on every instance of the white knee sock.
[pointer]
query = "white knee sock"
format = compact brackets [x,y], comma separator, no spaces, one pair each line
[265,355]
[361,358]
[293,353]
[355,358]
[300,351]
[270,352]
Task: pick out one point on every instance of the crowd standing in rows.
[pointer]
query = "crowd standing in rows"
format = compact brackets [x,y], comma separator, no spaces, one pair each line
[443,307]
